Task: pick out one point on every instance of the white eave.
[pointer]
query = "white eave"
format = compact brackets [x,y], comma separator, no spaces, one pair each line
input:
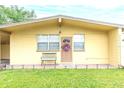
[62,17]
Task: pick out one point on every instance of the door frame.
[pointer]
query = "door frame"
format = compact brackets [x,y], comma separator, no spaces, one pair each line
[70,60]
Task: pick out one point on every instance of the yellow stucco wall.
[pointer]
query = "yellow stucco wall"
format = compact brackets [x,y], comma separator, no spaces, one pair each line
[4,45]
[5,51]
[23,45]
[114,47]
[96,45]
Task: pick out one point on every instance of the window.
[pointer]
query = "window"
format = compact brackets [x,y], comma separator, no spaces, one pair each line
[53,42]
[48,42]
[43,42]
[78,42]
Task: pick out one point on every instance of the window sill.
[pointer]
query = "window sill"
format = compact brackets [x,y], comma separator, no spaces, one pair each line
[48,51]
[79,50]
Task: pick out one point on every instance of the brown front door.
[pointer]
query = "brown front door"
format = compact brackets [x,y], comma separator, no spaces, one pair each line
[66,49]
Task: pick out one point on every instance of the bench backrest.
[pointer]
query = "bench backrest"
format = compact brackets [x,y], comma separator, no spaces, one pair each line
[48,56]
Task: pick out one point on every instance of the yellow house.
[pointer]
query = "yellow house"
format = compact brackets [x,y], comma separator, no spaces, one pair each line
[72,40]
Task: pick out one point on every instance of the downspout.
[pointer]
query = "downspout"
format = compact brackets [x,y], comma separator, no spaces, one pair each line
[59,32]
[59,24]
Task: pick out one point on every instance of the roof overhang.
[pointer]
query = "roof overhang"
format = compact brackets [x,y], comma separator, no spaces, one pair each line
[61,19]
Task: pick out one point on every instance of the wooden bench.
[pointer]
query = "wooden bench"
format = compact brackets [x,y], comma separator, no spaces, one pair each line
[48,57]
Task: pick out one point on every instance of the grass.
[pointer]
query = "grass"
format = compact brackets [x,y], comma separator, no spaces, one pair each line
[62,78]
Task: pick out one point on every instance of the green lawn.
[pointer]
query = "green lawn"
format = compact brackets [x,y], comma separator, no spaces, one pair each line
[64,78]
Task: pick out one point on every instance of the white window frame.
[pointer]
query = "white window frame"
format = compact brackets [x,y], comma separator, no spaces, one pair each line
[83,41]
[48,42]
